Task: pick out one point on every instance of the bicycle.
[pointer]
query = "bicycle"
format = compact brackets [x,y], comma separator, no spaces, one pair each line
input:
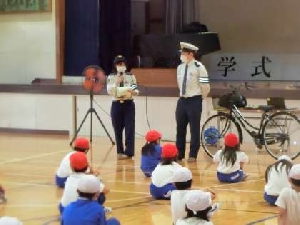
[278,132]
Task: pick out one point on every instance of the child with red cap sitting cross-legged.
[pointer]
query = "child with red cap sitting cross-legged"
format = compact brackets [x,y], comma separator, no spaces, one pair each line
[288,201]
[162,176]
[151,152]
[231,160]
[79,165]
[64,171]
[86,210]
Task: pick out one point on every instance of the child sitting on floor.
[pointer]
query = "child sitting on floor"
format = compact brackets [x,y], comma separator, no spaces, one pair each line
[276,177]
[288,200]
[199,209]
[151,152]
[86,209]
[231,160]
[79,165]
[162,177]
[183,182]
[64,170]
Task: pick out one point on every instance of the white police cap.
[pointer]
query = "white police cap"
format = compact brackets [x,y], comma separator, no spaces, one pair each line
[188,46]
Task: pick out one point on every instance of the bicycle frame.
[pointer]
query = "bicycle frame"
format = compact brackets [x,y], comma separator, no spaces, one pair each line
[253,131]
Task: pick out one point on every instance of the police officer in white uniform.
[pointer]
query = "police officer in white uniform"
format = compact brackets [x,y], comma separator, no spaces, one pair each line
[193,83]
[122,86]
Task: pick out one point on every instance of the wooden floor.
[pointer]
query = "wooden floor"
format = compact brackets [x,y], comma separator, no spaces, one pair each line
[28,164]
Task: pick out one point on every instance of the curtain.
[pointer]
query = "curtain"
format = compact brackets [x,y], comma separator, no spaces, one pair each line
[81,35]
[179,13]
[115,31]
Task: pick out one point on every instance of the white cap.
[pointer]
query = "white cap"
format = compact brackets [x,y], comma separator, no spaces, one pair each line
[198,200]
[295,172]
[284,157]
[89,184]
[188,46]
[182,174]
[6,220]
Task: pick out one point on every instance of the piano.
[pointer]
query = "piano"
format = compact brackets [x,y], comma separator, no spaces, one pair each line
[162,51]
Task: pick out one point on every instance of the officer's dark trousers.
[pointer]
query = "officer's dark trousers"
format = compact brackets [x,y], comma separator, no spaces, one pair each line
[188,111]
[123,116]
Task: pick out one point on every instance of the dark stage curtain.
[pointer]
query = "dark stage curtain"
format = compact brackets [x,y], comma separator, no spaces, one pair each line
[81,35]
[115,25]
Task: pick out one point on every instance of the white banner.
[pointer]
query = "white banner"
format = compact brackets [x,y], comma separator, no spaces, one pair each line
[236,66]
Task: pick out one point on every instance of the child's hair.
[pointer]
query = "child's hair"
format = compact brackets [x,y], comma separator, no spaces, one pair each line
[80,149]
[89,196]
[83,170]
[168,160]
[279,165]
[229,154]
[149,148]
[184,185]
[295,182]
[203,214]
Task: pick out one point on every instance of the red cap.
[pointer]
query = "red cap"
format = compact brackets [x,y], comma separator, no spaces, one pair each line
[82,143]
[78,160]
[152,135]
[231,140]
[169,151]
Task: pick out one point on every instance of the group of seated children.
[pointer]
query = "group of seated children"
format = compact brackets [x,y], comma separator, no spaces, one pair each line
[84,193]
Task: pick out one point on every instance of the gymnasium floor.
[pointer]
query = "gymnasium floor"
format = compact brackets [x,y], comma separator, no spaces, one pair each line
[28,164]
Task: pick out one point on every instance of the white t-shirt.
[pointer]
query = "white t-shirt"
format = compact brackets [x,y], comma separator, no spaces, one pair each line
[193,221]
[163,174]
[228,168]
[178,201]
[289,200]
[64,169]
[277,180]
[70,192]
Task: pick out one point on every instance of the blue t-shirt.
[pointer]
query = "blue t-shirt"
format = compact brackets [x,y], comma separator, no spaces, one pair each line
[149,162]
[84,212]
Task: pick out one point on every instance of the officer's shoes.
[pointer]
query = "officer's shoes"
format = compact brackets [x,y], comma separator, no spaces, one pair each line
[192,159]
[121,156]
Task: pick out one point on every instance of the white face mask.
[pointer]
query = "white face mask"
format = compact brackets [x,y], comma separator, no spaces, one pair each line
[183,58]
[121,69]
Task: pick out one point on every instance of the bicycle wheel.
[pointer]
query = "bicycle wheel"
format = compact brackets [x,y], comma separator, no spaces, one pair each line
[213,131]
[281,134]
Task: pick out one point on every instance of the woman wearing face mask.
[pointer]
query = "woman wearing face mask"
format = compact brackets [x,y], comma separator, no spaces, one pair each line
[193,83]
[122,86]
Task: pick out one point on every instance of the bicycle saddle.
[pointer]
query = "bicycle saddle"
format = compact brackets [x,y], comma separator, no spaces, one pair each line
[266,108]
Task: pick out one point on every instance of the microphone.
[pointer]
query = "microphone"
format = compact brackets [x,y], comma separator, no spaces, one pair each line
[122,82]
[133,87]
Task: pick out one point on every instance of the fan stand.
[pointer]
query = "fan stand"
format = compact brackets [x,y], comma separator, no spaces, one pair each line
[90,112]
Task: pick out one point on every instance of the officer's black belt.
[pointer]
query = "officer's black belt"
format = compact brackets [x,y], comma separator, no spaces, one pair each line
[192,97]
[123,101]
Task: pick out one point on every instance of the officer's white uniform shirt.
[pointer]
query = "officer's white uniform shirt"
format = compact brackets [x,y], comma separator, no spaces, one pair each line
[277,181]
[197,82]
[289,200]
[193,221]
[121,93]
[70,192]
[64,169]
[163,174]
[178,201]
[228,168]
